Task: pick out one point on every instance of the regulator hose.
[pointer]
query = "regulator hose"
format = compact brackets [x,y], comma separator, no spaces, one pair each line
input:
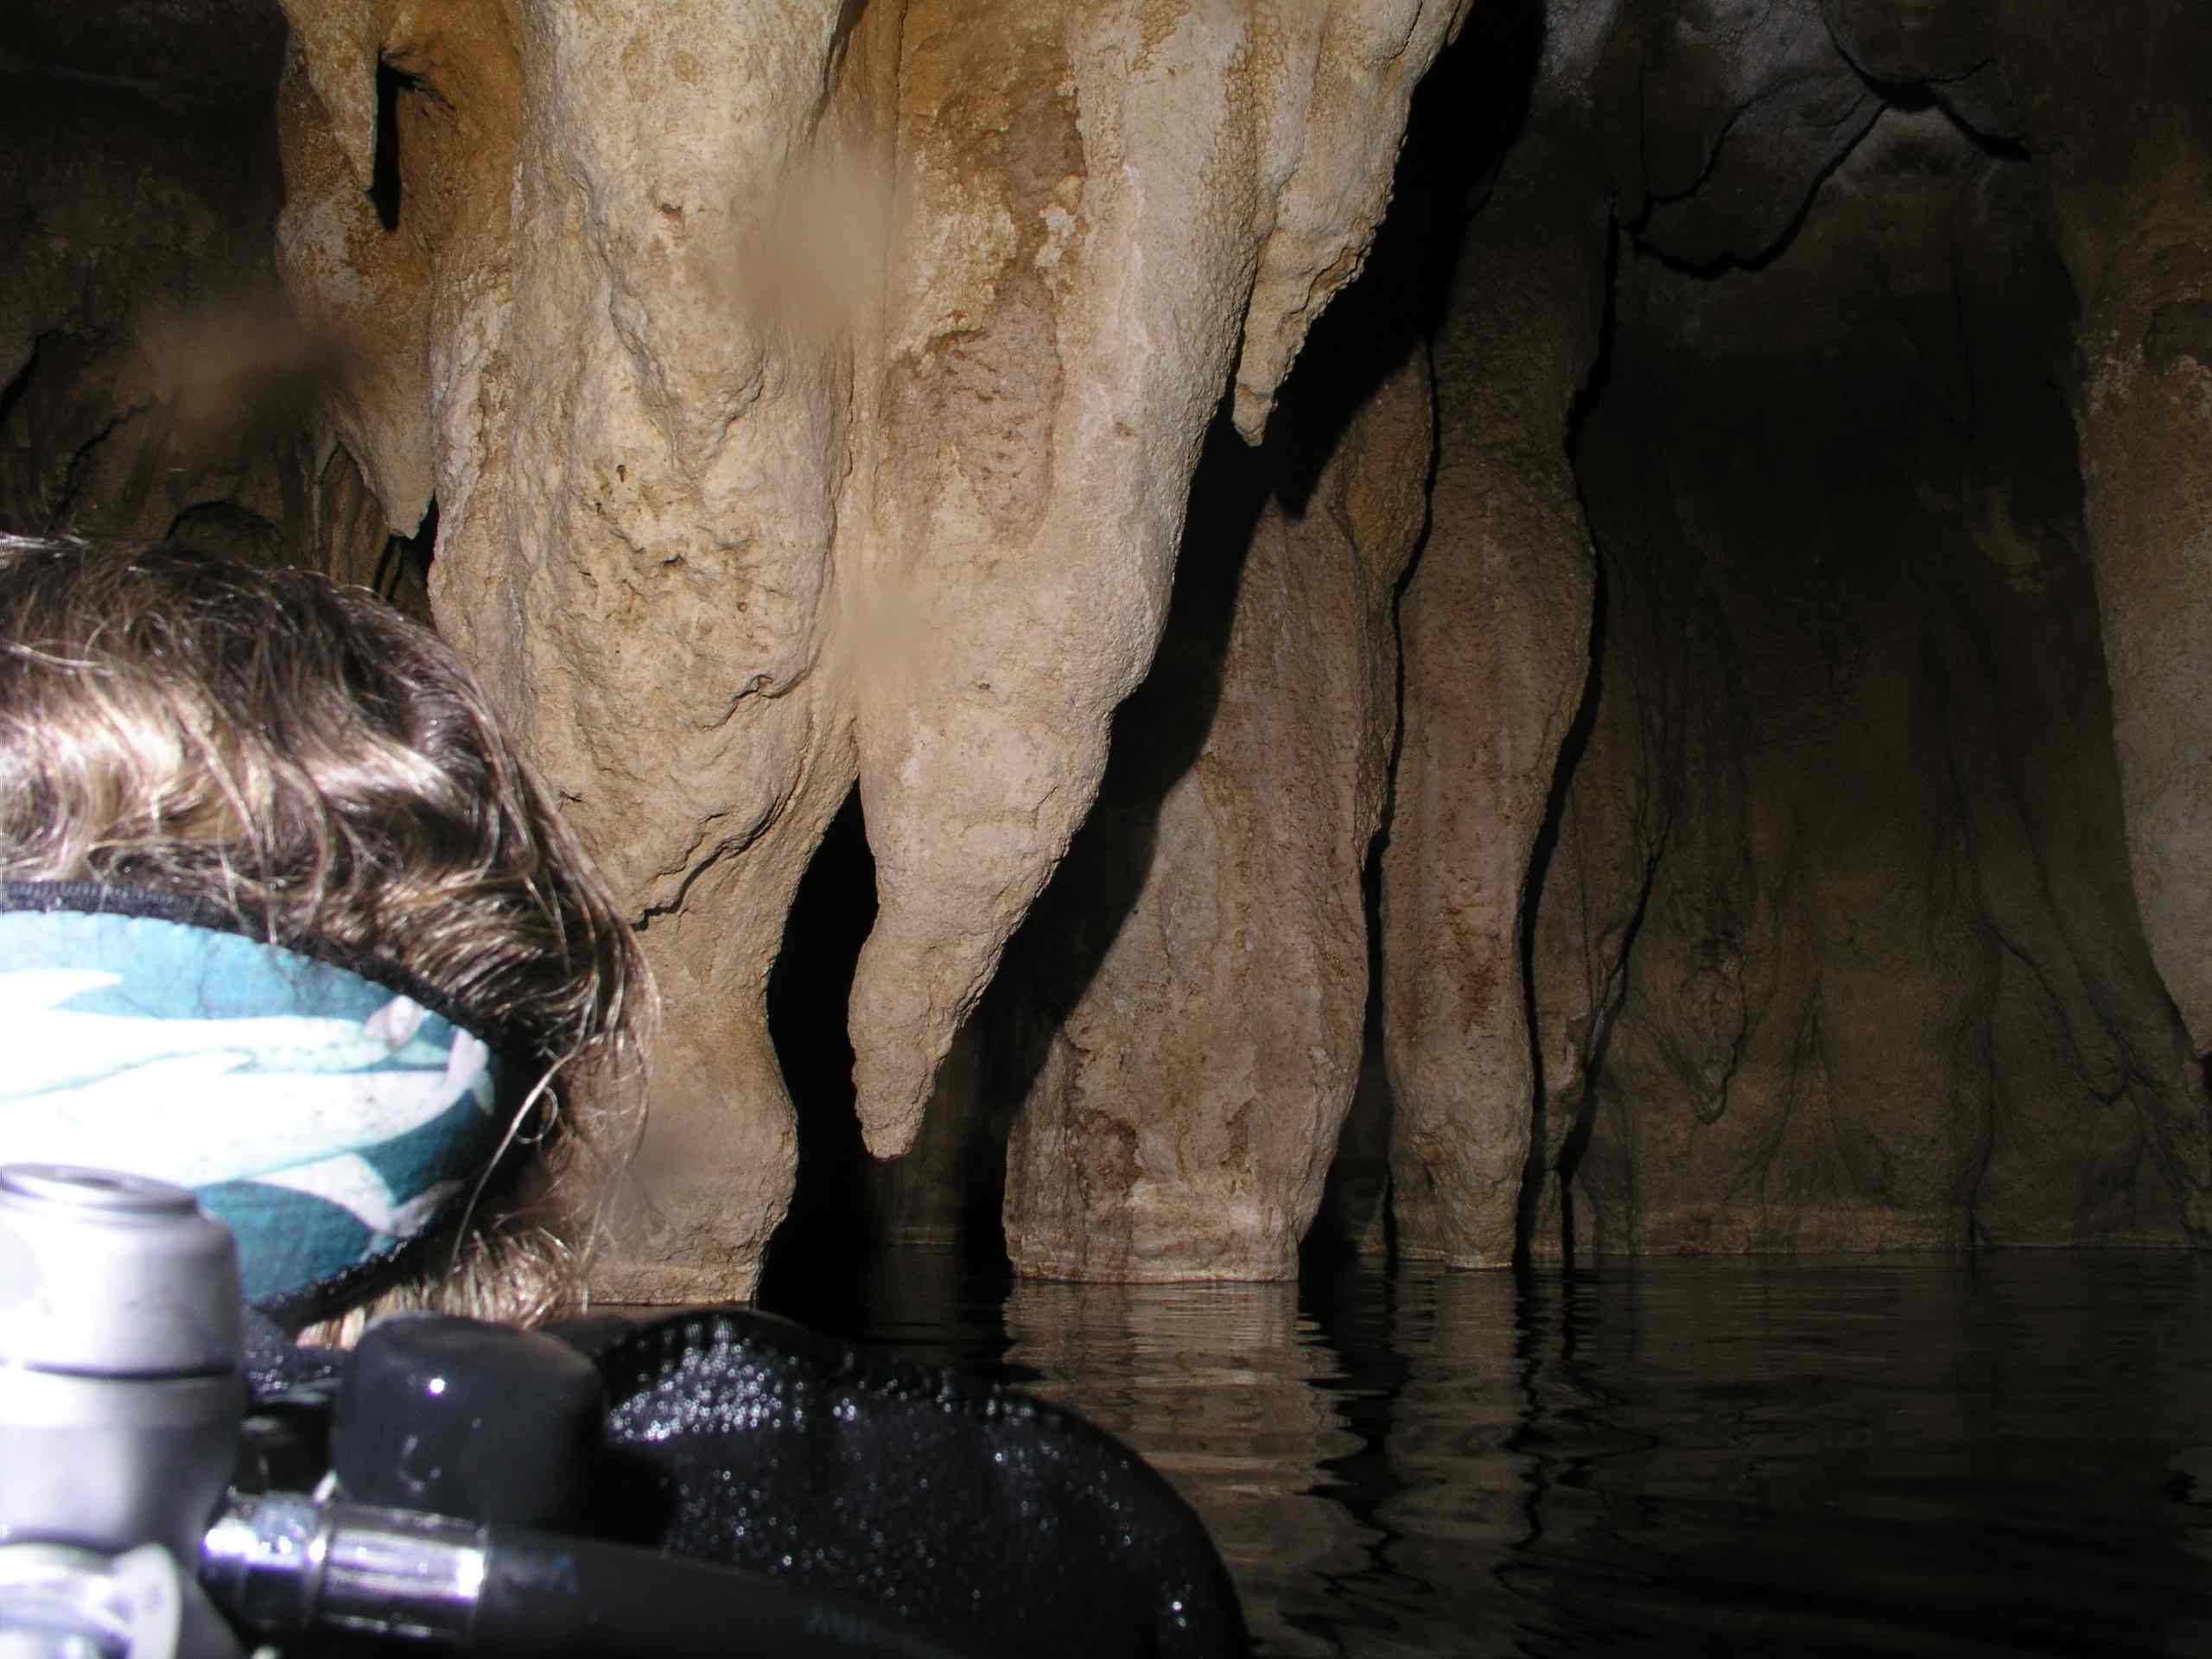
[604,1599]
[285,1567]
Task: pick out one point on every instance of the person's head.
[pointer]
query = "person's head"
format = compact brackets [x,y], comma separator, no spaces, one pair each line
[268,757]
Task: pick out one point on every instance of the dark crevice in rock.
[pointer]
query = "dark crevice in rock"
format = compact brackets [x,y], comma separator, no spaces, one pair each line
[1539,1169]
[1357,1218]
[393,83]
[1771,247]
[2180,329]
[11,395]
[1912,97]
[1550,1162]
[63,509]
[403,572]
[1471,108]
[1601,366]
[808,988]
[1574,1146]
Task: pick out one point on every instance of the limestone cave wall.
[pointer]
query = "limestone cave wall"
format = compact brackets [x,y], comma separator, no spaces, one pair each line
[1834,948]
[1192,629]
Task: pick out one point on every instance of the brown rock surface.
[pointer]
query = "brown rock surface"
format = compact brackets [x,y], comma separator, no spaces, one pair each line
[138,206]
[155,382]
[1199,969]
[727,518]
[2119,119]
[1715,116]
[1495,621]
[1883,989]
[1087,285]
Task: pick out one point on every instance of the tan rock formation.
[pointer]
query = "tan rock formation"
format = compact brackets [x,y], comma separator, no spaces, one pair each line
[2117,120]
[1496,625]
[1201,968]
[1733,940]
[1084,302]
[814,391]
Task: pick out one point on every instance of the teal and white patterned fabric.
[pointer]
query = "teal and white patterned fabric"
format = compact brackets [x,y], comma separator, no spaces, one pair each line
[326,1118]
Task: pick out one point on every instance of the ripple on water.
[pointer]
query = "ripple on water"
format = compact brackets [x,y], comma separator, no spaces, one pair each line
[2006,1455]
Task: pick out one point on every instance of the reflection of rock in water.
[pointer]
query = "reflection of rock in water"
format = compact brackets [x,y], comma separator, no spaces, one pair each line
[1224,1387]
[1467,1475]
[1864,1456]
[1577,1458]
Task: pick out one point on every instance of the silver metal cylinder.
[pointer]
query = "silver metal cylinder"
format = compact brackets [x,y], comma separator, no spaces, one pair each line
[285,1566]
[122,1343]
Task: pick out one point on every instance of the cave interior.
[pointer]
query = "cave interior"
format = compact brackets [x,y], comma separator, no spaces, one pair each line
[1663,717]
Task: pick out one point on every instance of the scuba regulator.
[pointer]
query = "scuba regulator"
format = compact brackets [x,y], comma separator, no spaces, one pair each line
[138,1516]
[178,1480]
[122,1339]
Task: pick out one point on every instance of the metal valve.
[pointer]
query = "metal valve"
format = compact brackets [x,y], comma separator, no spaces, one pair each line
[122,1388]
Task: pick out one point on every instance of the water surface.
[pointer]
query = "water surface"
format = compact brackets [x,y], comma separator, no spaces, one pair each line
[2007,1454]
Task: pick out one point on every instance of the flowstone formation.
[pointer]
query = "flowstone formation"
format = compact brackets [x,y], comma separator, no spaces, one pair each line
[811,392]
[1619,673]
[1847,784]
[1826,943]
[1193,986]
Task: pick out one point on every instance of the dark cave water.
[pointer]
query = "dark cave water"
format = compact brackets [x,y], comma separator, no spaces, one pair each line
[2005,1454]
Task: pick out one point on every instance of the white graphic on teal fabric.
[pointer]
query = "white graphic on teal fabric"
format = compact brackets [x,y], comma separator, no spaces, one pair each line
[353,1184]
[326,1118]
[299,1108]
[48,1045]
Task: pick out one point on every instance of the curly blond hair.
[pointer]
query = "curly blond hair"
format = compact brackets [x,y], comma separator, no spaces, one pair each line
[303,756]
